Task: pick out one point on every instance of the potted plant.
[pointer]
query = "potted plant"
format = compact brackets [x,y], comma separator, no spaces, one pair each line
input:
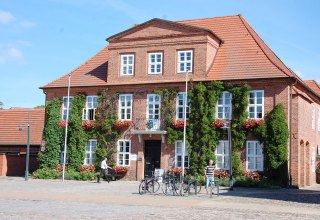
[179,124]
[122,124]
[88,124]
[218,123]
[253,123]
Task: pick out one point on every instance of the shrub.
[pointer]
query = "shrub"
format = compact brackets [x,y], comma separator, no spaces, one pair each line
[82,176]
[46,173]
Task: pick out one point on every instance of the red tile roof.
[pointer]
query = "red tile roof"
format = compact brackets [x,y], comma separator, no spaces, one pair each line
[9,126]
[243,55]
[313,85]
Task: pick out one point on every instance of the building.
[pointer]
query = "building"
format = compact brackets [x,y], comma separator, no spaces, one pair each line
[157,54]
[13,139]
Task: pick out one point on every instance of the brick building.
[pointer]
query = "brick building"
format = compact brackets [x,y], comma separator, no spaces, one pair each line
[13,140]
[157,54]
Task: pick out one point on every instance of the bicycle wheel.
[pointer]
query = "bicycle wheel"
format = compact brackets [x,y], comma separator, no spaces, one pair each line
[184,189]
[153,186]
[141,188]
[198,187]
[168,189]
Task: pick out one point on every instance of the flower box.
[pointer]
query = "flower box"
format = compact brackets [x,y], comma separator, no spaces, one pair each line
[121,170]
[87,168]
[179,124]
[122,124]
[88,125]
[253,123]
[218,123]
[62,124]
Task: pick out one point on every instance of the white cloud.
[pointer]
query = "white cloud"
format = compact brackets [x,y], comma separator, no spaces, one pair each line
[10,54]
[6,17]
[26,24]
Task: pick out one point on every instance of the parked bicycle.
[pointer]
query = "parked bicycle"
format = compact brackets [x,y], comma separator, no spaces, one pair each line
[171,184]
[190,186]
[150,185]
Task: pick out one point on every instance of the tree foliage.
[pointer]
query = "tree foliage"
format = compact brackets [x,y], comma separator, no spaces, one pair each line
[77,135]
[53,134]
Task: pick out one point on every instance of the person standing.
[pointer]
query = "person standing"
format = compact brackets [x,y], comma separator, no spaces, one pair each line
[209,173]
[104,168]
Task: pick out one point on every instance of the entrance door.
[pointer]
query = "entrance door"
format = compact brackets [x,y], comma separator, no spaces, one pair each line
[152,155]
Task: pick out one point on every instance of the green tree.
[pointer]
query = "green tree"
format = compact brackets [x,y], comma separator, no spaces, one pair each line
[1,105]
[53,134]
[39,106]
[77,135]
[276,146]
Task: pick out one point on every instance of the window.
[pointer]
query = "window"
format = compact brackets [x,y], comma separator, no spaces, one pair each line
[89,112]
[222,154]
[90,151]
[180,106]
[65,106]
[185,61]
[178,159]
[256,109]
[155,63]
[313,159]
[62,157]
[254,158]
[318,119]
[153,112]
[224,106]
[313,122]
[125,107]
[127,64]
[123,152]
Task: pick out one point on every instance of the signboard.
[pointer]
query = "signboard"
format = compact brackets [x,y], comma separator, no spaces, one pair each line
[159,173]
[133,157]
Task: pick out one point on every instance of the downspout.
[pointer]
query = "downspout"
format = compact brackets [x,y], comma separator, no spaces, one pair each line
[290,132]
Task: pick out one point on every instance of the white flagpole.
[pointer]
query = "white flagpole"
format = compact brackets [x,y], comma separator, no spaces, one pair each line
[66,131]
[184,124]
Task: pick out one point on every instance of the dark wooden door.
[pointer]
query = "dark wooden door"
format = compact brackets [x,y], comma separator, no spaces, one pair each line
[152,155]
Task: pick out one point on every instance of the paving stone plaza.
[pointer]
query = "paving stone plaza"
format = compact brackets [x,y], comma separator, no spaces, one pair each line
[54,199]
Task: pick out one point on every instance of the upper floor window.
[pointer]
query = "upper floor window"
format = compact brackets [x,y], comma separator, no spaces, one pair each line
[256,104]
[181,106]
[153,111]
[125,107]
[155,63]
[89,112]
[224,106]
[178,157]
[90,151]
[123,152]
[222,154]
[254,156]
[313,122]
[185,59]
[65,107]
[127,64]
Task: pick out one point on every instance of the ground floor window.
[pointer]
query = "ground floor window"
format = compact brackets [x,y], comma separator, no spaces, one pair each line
[90,151]
[178,156]
[123,152]
[222,154]
[254,156]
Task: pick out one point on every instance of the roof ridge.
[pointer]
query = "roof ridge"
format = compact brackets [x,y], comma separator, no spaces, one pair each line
[207,18]
[70,72]
[249,29]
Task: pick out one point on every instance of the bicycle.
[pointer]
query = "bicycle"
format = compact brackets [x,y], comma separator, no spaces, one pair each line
[171,184]
[150,185]
[190,186]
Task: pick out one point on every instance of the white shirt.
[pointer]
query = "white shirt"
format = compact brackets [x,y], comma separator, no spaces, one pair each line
[104,165]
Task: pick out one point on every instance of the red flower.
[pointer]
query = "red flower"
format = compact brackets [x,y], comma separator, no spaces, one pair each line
[60,168]
[120,169]
[88,125]
[179,124]
[122,124]
[221,174]
[178,170]
[253,175]
[219,123]
[62,124]
[253,123]
[87,168]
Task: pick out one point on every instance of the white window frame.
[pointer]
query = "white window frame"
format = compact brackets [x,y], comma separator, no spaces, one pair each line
[185,61]
[224,106]
[225,154]
[91,152]
[179,106]
[125,107]
[177,154]
[313,118]
[127,65]
[254,156]
[255,105]
[87,109]
[123,153]
[155,63]
[157,121]
[64,107]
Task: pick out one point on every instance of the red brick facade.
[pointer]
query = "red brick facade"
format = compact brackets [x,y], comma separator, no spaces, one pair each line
[211,53]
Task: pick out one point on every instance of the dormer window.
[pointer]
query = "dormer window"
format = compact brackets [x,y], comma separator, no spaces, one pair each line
[185,58]
[155,63]
[127,64]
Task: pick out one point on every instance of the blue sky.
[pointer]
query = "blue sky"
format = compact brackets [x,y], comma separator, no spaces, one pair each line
[42,40]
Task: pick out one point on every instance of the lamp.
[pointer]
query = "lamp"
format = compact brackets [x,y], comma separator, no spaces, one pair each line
[20,126]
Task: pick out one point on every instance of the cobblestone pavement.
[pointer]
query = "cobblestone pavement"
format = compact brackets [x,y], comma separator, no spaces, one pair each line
[54,199]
